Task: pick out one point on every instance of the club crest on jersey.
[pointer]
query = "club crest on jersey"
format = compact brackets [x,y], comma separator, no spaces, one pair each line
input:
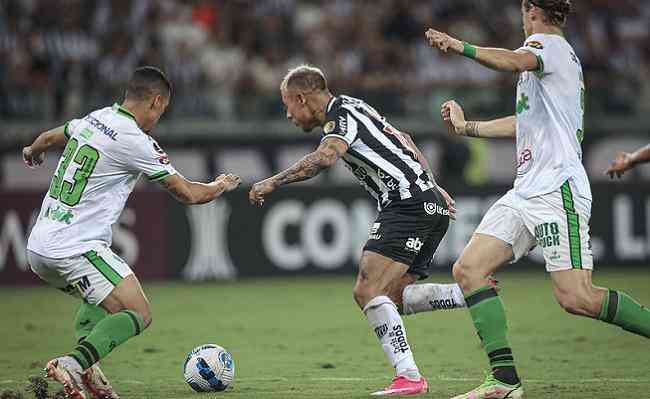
[164,159]
[329,127]
[535,44]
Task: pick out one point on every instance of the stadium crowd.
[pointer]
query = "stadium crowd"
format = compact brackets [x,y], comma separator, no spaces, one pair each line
[226,58]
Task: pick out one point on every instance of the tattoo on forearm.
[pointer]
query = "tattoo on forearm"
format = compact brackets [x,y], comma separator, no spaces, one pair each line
[310,165]
[472,129]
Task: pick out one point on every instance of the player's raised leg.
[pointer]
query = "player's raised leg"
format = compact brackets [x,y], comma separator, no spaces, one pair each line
[482,256]
[377,274]
[103,279]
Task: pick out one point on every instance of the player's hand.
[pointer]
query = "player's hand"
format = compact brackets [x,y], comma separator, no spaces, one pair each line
[229,182]
[260,190]
[454,117]
[620,165]
[30,160]
[451,204]
[443,41]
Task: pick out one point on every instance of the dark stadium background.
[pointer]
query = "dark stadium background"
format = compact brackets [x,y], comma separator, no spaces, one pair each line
[278,294]
[64,58]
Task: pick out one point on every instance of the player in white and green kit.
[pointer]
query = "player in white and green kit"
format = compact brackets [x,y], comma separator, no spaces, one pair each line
[550,204]
[105,154]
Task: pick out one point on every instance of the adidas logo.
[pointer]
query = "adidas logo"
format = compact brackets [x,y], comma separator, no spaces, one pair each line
[414,244]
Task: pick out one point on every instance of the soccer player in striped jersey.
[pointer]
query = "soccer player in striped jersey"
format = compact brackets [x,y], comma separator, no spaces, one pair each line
[105,154]
[413,211]
[550,204]
[625,161]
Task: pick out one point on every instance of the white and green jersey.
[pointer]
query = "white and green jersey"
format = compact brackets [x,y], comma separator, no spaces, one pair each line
[105,155]
[550,114]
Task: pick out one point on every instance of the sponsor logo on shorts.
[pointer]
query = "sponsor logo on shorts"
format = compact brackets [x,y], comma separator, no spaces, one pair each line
[432,208]
[443,304]
[83,286]
[413,245]
[374,232]
[547,234]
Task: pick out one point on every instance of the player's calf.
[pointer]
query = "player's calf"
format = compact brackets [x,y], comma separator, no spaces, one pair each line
[586,302]
[576,293]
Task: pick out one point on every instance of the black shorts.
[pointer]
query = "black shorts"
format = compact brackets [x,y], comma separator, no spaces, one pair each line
[409,231]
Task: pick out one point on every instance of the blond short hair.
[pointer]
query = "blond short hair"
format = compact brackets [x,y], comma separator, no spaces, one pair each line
[306,78]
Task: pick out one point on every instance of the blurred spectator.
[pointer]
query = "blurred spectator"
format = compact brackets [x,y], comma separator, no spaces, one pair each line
[226,57]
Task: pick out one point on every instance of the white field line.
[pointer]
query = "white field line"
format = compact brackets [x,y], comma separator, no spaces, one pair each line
[462,379]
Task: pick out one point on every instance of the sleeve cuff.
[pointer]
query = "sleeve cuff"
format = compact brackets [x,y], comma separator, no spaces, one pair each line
[159,175]
[66,130]
[338,136]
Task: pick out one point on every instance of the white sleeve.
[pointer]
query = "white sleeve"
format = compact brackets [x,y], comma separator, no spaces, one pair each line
[535,44]
[147,157]
[70,127]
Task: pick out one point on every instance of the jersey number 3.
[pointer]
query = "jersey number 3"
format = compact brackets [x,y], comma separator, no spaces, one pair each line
[86,158]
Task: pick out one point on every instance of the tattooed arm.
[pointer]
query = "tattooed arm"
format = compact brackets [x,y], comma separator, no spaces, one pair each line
[326,155]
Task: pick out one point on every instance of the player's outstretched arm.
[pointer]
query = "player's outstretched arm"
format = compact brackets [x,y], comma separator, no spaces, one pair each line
[625,161]
[326,155]
[494,58]
[193,193]
[454,117]
[34,154]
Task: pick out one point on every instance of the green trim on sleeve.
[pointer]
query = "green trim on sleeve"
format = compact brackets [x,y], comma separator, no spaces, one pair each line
[66,130]
[158,175]
[540,64]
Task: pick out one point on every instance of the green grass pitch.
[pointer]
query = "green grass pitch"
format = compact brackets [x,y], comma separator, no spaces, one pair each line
[305,338]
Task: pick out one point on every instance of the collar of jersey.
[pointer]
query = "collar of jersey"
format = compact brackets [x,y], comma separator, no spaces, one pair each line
[123,111]
[331,103]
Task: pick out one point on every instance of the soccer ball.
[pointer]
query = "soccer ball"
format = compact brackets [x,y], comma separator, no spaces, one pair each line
[209,368]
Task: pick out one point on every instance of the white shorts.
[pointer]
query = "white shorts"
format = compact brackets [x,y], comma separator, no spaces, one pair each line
[558,222]
[91,276]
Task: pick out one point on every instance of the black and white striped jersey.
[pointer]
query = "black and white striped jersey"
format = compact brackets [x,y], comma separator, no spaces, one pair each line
[378,154]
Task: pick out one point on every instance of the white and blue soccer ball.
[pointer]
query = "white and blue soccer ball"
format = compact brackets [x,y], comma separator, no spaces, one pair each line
[209,368]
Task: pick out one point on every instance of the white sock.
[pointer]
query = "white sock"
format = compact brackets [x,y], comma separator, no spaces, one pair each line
[418,298]
[387,324]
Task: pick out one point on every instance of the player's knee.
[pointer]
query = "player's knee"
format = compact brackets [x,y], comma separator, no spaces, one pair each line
[363,293]
[462,274]
[359,293]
